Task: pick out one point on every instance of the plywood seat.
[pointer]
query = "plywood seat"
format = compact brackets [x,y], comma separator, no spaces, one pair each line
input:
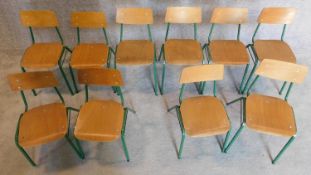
[204,116]
[183,51]
[42,55]
[275,50]
[42,125]
[89,55]
[99,120]
[135,52]
[32,80]
[270,115]
[228,52]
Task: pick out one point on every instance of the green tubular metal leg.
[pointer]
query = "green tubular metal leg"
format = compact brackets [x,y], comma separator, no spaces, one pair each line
[288,91]
[155,73]
[163,77]
[236,135]
[123,135]
[183,134]
[282,88]
[226,140]
[283,149]
[20,147]
[73,79]
[243,79]
[78,149]
[250,77]
[33,91]
[63,72]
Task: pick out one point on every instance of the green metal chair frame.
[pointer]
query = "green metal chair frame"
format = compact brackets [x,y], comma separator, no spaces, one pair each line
[243,123]
[60,61]
[155,74]
[253,54]
[209,57]
[109,54]
[179,116]
[77,148]
[126,109]
[195,29]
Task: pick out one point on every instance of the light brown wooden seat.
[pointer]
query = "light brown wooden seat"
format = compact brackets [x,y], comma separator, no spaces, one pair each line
[133,52]
[42,55]
[89,56]
[204,116]
[270,115]
[183,51]
[99,120]
[32,80]
[43,124]
[274,49]
[228,52]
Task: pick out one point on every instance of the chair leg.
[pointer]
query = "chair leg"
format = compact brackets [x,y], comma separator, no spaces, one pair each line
[282,88]
[33,91]
[163,78]
[181,146]
[125,148]
[226,140]
[65,78]
[283,149]
[25,154]
[243,79]
[78,148]
[155,77]
[249,78]
[73,79]
[234,137]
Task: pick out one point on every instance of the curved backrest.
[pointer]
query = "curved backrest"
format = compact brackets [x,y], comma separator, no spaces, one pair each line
[136,16]
[89,19]
[32,80]
[38,18]
[277,15]
[284,71]
[200,73]
[100,76]
[183,15]
[229,16]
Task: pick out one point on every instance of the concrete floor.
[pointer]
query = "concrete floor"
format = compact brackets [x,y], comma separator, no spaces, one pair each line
[153,134]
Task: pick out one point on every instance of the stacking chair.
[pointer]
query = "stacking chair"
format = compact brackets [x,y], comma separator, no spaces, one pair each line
[102,120]
[271,115]
[181,51]
[42,124]
[228,52]
[43,55]
[201,116]
[271,49]
[89,55]
[136,52]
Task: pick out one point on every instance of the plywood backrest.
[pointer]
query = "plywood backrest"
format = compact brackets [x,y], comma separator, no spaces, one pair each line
[136,16]
[89,19]
[100,76]
[284,71]
[229,16]
[202,73]
[32,80]
[38,18]
[183,15]
[277,15]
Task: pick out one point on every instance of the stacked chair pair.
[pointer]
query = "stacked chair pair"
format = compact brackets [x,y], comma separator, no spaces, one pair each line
[98,120]
[198,116]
